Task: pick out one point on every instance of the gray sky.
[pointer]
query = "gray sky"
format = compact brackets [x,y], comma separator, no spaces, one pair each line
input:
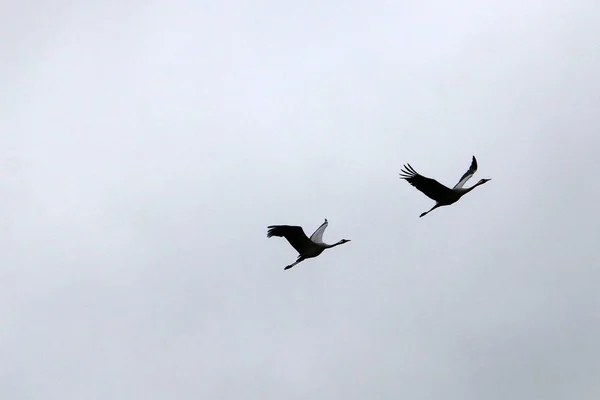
[146,146]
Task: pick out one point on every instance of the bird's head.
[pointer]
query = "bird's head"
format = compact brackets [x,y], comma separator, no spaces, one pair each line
[344,241]
[482,181]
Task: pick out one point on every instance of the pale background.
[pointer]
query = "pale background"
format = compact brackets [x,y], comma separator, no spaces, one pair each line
[146,146]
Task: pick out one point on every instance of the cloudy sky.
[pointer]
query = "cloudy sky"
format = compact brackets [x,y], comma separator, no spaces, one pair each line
[146,146]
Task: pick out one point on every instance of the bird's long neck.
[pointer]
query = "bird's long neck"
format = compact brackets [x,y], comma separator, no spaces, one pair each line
[467,190]
[335,244]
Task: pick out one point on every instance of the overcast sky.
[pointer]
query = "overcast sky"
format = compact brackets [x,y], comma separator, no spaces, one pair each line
[146,146]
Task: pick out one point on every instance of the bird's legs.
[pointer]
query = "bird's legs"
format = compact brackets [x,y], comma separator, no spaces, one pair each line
[300,259]
[427,212]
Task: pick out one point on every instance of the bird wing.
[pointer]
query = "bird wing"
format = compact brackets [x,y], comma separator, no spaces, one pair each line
[293,234]
[429,187]
[317,237]
[467,175]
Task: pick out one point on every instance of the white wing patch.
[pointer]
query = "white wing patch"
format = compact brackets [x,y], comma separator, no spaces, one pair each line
[467,175]
[317,237]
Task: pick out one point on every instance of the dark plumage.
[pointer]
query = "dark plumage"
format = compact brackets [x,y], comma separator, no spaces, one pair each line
[442,195]
[293,234]
[306,247]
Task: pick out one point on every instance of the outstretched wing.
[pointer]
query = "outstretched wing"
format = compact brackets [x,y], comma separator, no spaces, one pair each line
[467,175]
[317,237]
[429,187]
[293,234]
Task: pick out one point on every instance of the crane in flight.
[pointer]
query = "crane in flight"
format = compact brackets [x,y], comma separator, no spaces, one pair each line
[442,195]
[305,246]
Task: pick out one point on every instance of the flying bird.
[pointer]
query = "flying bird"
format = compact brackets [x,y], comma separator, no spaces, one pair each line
[442,195]
[307,247]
